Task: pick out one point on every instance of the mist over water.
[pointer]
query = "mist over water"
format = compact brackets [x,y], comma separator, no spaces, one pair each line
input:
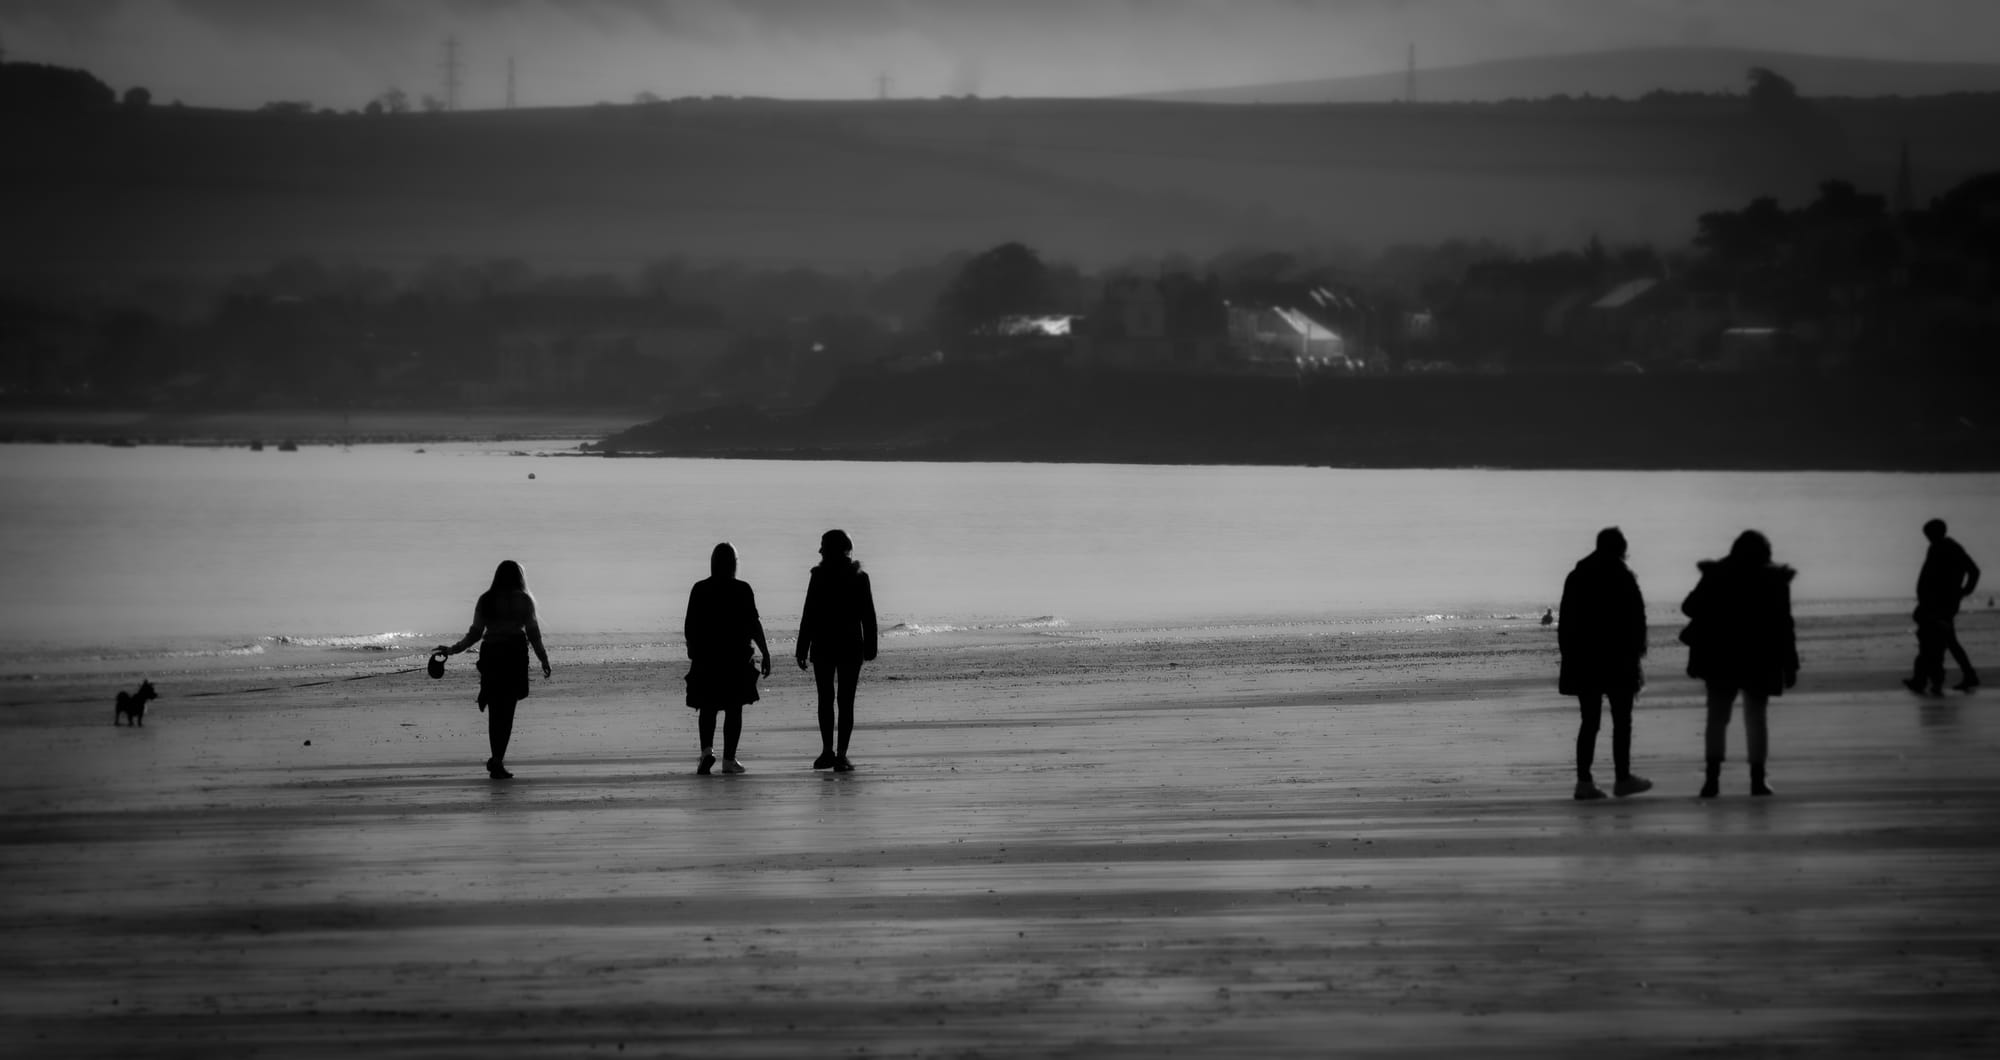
[240,558]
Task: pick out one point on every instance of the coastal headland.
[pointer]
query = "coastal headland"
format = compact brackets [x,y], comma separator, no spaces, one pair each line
[1277,843]
[1684,421]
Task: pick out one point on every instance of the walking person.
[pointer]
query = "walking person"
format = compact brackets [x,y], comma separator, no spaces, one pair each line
[1740,640]
[837,635]
[721,626]
[505,618]
[1602,637]
[1948,576]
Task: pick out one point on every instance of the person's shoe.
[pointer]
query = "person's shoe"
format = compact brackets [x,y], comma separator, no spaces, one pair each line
[1631,784]
[1712,787]
[842,765]
[825,760]
[1586,791]
[1914,684]
[1757,785]
[707,763]
[1967,686]
[497,771]
[731,765]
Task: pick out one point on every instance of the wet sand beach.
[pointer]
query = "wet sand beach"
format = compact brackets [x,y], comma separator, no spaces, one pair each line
[1284,843]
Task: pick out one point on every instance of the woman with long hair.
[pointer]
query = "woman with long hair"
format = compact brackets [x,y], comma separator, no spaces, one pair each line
[721,626]
[1740,640]
[837,635]
[505,618]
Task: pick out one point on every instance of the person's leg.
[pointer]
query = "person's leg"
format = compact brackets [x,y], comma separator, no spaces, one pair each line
[849,676]
[1590,710]
[1929,676]
[499,731]
[1968,678]
[732,730]
[823,679]
[707,741]
[1721,698]
[1757,736]
[1627,782]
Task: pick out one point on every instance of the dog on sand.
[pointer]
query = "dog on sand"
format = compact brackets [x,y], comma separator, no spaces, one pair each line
[133,704]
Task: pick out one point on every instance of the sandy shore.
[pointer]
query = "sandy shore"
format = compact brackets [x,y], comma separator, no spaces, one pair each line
[1273,845]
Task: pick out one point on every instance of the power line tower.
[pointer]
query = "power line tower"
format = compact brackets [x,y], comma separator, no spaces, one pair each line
[451,73]
[510,82]
[1410,77]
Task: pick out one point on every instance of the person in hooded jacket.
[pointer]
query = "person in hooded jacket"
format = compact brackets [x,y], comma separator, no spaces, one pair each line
[1740,641]
[720,628]
[1602,637]
[837,634]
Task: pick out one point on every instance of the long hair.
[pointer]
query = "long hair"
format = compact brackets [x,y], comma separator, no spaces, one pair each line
[508,577]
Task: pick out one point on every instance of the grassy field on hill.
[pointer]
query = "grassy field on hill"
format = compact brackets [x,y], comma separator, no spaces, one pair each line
[878,184]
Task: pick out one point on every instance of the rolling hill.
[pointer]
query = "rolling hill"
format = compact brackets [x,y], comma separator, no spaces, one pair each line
[1626,74]
[877,184]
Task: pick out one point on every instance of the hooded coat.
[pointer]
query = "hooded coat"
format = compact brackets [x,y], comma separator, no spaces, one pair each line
[1739,633]
[1602,634]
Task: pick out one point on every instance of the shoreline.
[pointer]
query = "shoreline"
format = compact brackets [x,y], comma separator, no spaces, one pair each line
[1218,847]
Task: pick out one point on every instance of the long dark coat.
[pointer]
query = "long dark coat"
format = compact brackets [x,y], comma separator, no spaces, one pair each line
[721,628]
[1602,633]
[1740,627]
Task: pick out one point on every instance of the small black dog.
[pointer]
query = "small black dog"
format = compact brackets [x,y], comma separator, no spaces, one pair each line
[133,705]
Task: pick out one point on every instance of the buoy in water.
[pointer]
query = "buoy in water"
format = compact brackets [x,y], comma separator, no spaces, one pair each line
[531,474]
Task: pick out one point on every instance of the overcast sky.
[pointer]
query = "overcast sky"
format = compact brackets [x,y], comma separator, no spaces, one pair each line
[339,53]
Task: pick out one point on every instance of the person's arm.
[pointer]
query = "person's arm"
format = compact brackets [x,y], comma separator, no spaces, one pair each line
[1971,573]
[805,622]
[472,635]
[687,624]
[1638,617]
[1566,630]
[757,627]
[867,618]
[533,628]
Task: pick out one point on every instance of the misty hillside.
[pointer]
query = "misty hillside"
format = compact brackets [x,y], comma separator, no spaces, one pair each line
[880,184]
[1627,74]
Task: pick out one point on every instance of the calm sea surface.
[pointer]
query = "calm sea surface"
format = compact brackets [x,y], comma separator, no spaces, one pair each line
[132,554]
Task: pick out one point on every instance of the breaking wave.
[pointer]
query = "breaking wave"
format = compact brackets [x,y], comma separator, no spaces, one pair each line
[357,642]
[918,629]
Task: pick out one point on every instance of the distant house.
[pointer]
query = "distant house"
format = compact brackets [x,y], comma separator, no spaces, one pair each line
[1282,337]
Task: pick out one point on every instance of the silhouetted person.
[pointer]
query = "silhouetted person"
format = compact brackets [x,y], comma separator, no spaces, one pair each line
[1740,640]
[721,626]
[1602,637]
[837,633]
[1948,576]
[505,618]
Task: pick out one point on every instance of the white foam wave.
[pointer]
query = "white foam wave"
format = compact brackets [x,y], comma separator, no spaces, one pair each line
[357,642]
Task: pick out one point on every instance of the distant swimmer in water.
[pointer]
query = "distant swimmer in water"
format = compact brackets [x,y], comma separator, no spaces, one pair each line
[505,618]
[721,626]
[837,635]
[1602,640]
[1549,617]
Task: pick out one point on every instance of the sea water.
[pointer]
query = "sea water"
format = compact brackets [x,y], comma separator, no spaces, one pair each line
[161,557]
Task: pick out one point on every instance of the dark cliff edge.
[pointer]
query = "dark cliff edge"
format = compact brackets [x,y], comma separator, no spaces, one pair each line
[1707,422]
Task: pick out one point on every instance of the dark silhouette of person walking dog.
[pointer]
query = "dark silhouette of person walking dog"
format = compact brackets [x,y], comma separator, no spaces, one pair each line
[721,626]
[505,618]
[1602,638]
[837,634]
[1740,640]
[1948,576]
